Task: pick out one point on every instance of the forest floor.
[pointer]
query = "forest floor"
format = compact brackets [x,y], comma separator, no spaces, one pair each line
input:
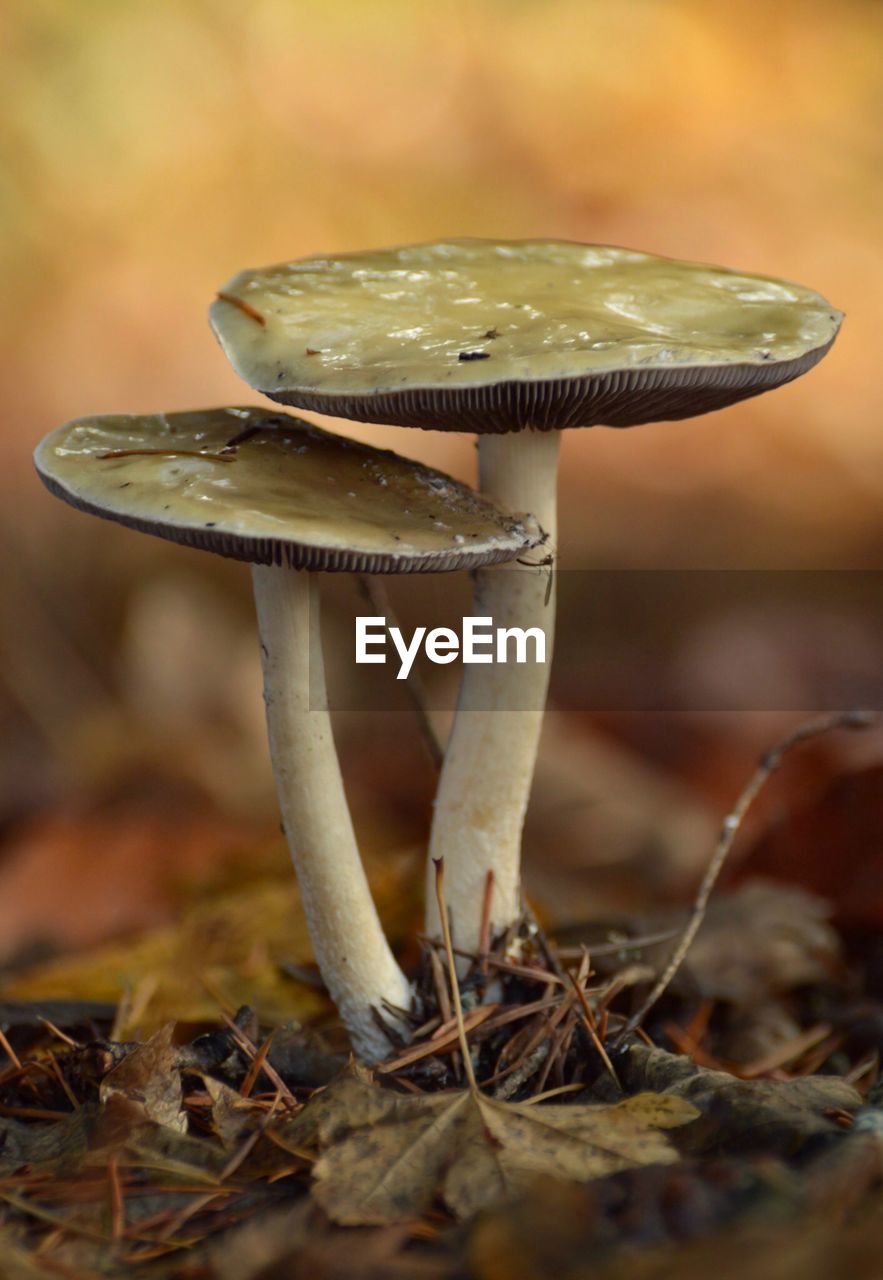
[555,1124]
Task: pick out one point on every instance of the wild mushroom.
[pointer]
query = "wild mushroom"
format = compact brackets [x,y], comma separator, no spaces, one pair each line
[516,341]
[288,497]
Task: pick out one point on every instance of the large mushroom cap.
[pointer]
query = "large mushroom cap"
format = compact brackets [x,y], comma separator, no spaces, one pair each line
[271,489]
[481,335]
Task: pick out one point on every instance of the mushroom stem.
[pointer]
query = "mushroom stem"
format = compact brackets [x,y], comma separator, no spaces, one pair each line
[489,762]
[354,957]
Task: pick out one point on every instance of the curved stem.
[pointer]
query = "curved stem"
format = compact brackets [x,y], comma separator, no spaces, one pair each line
[489,762]
[352,952]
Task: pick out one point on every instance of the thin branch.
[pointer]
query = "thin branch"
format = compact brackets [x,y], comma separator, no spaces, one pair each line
[732,823]
[484,936]
[591,1027]
[452,970]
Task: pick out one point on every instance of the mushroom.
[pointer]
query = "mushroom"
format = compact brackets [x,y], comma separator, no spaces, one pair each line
[514,340]
[289,498]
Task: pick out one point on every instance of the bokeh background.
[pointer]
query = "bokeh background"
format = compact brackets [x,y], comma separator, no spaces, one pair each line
[153,147]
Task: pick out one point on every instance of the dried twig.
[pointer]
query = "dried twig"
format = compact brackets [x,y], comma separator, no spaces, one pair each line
[250,1050]
[117,1206]
[732,823]
[440,983]
[484,935]
[439,864]
[257,1065]
[617,948]
[591,1027]
[436,1048]
[10,1052]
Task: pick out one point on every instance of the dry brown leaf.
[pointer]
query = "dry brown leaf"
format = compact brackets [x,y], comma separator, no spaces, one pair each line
[759,940]
[724,1220]
[385,1157]
[231,1118]
[51,1147]
[745,1116]
[149,1081]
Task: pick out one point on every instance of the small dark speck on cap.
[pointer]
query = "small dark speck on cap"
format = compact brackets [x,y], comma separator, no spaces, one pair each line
[474,355]
[125,484]
[210,524]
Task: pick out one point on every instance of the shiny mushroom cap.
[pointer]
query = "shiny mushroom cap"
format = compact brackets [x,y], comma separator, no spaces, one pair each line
[271,489]
[494,336]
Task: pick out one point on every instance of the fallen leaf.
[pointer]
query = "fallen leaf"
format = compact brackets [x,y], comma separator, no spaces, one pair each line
[213,944]
[149,1081]
[777,1227]
[385,1157]
[741,1116]
[760,940]
[231,1119]
[231,947]
[300,1243]
[53,1147]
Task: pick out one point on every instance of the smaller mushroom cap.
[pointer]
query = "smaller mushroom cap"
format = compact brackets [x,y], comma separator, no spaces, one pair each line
[492,336]
[271,489]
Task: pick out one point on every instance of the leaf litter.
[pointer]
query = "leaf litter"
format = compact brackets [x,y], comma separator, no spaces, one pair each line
[387,1157]
[243,1151]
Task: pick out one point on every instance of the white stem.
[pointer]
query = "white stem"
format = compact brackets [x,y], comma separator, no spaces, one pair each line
[350,947]
[489,762]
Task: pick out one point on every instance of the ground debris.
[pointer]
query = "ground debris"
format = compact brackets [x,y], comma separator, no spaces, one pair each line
[149,1083]
[249,1150]
[744,1116]
[762,940]
[51,1148]
[386,1158]
[301,1244]
[725,1217]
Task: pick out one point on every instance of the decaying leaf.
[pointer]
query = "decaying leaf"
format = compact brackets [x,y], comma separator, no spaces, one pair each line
[149,1081]
[385,1157]
[741,1116]
[760,940]
[767,1224]
[52,1147]
[299,1243]
[231,1120]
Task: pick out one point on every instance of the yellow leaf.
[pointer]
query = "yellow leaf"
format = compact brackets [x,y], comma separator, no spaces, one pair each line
[228,949]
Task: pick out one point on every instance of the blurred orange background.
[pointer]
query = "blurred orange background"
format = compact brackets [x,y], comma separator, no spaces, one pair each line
[153,148]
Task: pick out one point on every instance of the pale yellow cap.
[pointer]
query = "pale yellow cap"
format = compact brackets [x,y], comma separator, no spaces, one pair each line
[483,335]
[268,488]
